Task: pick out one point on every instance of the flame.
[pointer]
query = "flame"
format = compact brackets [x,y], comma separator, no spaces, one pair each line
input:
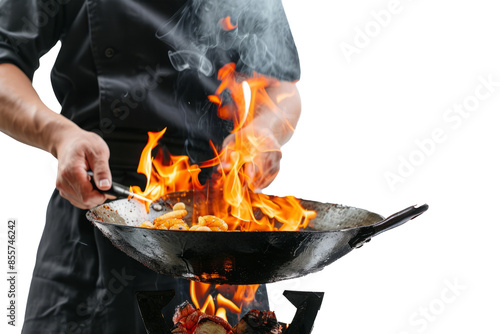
[223,301]
[177,175]
[242,208]
[226,23]
[220,299]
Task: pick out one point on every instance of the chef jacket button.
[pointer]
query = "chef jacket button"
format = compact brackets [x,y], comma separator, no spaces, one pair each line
[118,113]
[109,52]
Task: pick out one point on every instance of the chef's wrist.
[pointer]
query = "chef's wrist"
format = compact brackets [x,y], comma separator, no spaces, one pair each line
[59,132]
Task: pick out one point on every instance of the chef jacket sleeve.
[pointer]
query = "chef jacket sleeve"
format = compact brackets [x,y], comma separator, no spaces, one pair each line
[267,46]
[28,29]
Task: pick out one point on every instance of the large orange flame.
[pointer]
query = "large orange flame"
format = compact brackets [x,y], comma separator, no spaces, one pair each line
[177,175]
[242,208]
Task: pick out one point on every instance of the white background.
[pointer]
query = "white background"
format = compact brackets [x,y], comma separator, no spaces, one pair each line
[360,118]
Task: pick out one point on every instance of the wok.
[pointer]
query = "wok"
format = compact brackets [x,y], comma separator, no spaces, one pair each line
[236,257]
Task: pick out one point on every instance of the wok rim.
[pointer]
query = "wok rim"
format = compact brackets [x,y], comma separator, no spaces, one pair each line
[94,219]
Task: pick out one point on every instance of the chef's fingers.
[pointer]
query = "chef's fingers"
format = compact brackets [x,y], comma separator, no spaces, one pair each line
[98,158]
[226,163]
[265,155]
[264,170]
[85,203]
[225,167]
[228,140]
[75,186]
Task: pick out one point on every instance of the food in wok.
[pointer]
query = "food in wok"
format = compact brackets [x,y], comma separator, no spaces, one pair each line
[173,221]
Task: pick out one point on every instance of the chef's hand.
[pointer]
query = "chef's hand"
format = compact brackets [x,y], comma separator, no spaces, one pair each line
[27,119]
[262,138]
[78,151]
[262,153]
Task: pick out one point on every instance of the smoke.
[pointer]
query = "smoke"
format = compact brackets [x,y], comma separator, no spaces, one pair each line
[202,37]
[186,59]
[261,40]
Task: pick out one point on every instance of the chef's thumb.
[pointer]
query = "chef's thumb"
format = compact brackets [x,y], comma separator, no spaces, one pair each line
[102,174]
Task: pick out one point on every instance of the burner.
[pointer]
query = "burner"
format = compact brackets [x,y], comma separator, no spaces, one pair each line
[150,304]
[308,304]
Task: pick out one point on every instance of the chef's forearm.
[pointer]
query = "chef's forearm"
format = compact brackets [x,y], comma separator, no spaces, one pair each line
[282,118]
[24,117]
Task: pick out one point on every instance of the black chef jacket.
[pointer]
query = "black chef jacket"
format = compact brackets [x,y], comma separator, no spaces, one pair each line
[127,67]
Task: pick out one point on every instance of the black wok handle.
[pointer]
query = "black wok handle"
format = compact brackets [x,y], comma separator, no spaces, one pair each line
[397,219]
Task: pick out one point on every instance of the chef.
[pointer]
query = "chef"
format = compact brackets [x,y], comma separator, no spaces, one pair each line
[126,68]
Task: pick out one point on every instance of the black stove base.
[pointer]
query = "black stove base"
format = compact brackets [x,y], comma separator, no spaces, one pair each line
[308,304]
